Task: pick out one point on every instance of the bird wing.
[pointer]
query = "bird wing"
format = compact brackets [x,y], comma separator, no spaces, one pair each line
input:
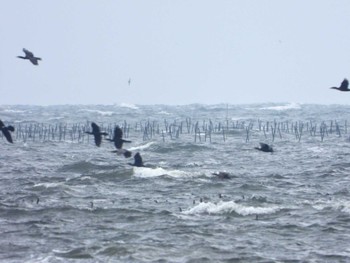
[95,128]
[7,134]
[28,53]
[118,143]
[1,124]
[118,133]
[344,85]
[34,61]
[98,139]
[11,128]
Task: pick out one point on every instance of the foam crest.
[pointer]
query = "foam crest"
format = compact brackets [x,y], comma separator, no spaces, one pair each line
[147,172]
[345,207]
[103,113]
[141,147]
[229,207]
[290,106]
[128,105]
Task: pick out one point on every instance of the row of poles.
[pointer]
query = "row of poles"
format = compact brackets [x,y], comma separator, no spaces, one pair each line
[201,130]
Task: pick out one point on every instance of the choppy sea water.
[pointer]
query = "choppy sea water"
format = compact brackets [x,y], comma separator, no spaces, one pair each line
[62,199]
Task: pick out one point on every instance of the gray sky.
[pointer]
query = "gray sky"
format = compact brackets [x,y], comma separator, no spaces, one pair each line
[174,51]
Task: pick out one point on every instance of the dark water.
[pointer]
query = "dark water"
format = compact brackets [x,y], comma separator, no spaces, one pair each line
[64,200]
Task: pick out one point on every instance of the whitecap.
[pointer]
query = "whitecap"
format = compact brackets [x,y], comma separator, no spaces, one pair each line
[103,113]
[141,147]
[164,112]
[289,106]
[15,111]
[48,185]
[229,207]
[128,105]
[147,172]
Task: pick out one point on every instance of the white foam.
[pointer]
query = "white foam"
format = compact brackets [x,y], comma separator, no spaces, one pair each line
[103,113]
[340,205]
[14,111]
[345,207]
[290,106]
[147,172]
[164,112]
[55,118]
[141,147]
[229,207]
[48,185]
[129,105]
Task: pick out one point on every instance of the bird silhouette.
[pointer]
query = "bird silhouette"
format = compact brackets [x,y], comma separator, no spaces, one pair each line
[264,147]
[119,141]
[137,160]
[97,134]
[118,138]
[6,131]
[344,86]
[30,56]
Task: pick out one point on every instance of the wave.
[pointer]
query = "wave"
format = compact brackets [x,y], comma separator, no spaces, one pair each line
[338,205]
[289,106]
[15,111]
[141,147]
[128,105]
[164,112]
[146,172]
[103,113]
[230,207]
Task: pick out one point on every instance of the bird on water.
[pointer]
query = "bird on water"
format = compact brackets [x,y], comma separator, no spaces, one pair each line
[344,86]
[6,131]
[264,147]
[29,55]
[97,134]
[138,162]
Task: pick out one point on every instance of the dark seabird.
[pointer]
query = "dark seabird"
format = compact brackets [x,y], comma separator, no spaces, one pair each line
[30,56]
[118,138]
[6,131]
[138,160]
[264,147]
[222,175]
[97,133]
[344,86]
[126,153]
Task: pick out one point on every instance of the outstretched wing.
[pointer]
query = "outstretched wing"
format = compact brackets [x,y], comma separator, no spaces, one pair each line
[1,124]
[34,60]
[7,134]
[28,53]
[95,128]
[344,85]
[118,133]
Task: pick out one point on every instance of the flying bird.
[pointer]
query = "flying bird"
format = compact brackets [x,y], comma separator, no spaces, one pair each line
[119,141]
[344,86]
[118,138]
[6,131]
[264,147]
[97,134]
[30,56]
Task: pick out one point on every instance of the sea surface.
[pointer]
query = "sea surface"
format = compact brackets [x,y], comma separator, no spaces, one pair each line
[62,199]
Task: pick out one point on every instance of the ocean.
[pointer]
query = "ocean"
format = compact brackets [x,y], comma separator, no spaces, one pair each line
[62,199]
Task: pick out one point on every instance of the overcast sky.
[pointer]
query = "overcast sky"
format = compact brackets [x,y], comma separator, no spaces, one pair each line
[174,51]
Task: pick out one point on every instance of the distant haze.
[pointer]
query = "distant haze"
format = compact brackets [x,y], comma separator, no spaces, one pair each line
[174,52]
